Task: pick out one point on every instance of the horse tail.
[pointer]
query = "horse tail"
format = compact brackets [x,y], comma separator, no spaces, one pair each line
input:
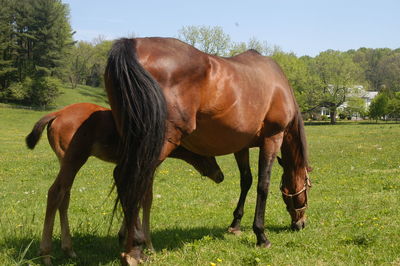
[33,137]
[140,112]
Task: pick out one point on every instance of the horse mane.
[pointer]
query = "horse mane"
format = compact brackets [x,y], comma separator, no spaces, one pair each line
[302,138]
[295,143]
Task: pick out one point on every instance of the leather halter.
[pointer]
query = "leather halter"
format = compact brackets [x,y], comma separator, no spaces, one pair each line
[307,185]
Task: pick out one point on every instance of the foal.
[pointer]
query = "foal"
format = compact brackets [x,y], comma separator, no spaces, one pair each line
[75,133]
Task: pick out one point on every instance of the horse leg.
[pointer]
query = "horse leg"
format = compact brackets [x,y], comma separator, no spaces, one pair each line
[146,205]
[135,236]
[58,197]
[122,233]
[130,233]
[268,152]
[66,240]
[242,160]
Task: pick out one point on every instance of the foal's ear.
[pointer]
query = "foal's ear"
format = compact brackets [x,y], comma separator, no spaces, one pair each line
[280,160]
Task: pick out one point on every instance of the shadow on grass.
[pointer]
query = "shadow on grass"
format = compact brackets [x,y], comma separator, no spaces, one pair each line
[95,250]
[90,249]
[175,238]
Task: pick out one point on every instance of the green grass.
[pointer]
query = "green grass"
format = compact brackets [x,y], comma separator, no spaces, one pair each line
[353,215]
[81,94]
[68,96]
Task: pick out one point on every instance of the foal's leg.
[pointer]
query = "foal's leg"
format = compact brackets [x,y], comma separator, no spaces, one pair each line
[268,152]
[242,160]
[66,240]
[135,237]
[58,197]
[146,205]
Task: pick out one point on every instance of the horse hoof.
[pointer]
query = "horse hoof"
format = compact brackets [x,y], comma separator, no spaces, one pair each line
[234,231]
[266,244]
[70,253]
[127,260]
[47,260]
[134,257]
[150,249]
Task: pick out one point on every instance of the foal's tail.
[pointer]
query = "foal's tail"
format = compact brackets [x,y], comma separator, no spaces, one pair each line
[139,108]
[33,137]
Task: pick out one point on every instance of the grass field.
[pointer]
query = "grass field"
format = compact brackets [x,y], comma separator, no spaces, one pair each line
[353,215]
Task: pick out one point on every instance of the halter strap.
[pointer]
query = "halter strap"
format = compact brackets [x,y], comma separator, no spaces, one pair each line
[307,184]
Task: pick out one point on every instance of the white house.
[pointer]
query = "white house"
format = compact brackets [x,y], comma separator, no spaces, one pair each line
[356,91]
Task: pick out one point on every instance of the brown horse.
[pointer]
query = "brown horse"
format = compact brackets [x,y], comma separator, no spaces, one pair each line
[165,93]
[75,133]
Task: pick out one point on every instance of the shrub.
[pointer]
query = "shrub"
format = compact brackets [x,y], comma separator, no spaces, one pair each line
[17,92]
[44,90]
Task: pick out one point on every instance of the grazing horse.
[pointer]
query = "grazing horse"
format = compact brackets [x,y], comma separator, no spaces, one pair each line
[165,93]
[75,133]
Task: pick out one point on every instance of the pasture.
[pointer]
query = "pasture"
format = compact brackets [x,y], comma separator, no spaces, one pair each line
[353,215]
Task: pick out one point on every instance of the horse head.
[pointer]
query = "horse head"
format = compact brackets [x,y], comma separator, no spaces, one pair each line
[295,185]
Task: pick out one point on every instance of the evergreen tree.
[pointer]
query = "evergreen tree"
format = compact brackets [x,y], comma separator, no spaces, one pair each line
[7,43]
[34,42]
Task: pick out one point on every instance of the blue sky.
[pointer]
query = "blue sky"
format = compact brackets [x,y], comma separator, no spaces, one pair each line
[305,27]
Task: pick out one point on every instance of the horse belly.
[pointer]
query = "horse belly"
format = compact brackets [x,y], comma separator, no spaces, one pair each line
[213,138]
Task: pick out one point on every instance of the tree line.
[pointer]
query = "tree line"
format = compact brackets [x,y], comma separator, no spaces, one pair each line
[34,41]
[38,54]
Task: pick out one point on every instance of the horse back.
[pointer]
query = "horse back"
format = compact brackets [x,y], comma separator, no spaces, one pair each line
[81,130]
[220,104]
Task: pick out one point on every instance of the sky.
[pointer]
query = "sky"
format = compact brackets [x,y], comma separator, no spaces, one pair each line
[304,27]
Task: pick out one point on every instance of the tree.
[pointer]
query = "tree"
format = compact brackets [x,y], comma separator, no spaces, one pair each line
[79,66]
[379,106]
[7,43]
[34,40]
[98,62]
[389,71]
[211,40]
[355,107]
[393,106]
[87,62]
[338,73]
[304,83]
[253,43]
[369,61]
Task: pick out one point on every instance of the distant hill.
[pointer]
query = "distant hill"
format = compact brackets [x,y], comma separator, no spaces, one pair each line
[69,96]
[81,94]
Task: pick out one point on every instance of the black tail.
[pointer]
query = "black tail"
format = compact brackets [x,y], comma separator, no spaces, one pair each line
[140,111]
[33,137]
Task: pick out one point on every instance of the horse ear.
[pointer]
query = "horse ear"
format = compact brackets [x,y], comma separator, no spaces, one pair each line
[309,169]
[280,160]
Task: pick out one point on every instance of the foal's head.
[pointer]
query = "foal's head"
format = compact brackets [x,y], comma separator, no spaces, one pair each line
[294,187]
